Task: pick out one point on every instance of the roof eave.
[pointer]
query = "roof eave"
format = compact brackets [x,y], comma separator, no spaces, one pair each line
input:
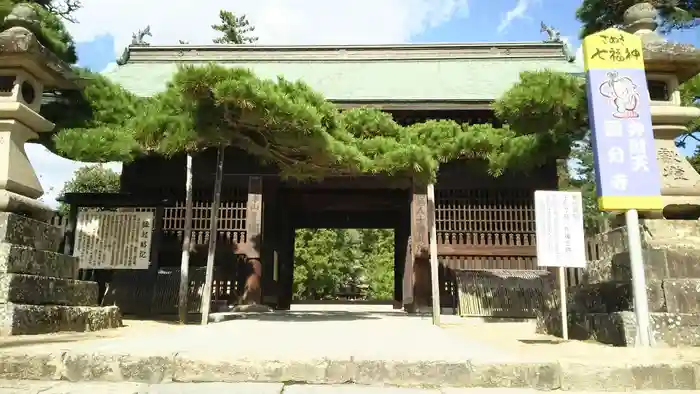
[404,52]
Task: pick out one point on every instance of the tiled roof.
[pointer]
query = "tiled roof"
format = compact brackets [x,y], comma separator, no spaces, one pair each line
[468,72]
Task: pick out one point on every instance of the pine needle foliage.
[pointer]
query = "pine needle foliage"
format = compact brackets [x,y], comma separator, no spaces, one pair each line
[289,124]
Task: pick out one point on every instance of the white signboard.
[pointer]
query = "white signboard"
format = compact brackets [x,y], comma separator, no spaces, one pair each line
[559,229]
[114,240]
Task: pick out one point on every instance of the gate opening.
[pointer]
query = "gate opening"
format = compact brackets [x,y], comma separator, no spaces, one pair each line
[341,265]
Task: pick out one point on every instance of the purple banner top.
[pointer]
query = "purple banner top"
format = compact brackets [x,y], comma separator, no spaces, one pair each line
[623,139]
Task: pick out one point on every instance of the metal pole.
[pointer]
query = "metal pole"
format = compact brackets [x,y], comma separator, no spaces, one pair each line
[639,288]
[432,247]
[186,240]
[206,295]
[562,295]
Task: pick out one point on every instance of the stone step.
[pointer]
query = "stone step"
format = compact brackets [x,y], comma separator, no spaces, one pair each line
[660,263]
[620,328]
[156,366]
[21,319]
[42,290]
[18,259]
[680,295]
[607,297]
[21,230]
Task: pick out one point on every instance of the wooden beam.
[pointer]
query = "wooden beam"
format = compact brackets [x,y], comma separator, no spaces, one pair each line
[115,200]
[485,250]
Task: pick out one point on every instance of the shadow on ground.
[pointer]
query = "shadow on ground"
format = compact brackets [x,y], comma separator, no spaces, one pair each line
[304,316]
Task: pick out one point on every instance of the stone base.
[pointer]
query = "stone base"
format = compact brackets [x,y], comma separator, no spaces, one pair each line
[21,230]
[620,328]
[255,308]
[17,259]
[20,319]
[17,203]
[41,290]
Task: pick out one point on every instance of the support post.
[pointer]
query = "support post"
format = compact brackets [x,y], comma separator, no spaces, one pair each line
[186,244]
[209,278]
[71,227]
[252,293]
[154,267]
[419,243]
[639,288]
[434,278]
[563,300]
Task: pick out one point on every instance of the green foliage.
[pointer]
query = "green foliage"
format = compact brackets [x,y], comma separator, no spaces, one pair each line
[289,124]
[91,121]
[90,179]
[234,29]
[329,261]
[690,95]
[597,15]
[50,30]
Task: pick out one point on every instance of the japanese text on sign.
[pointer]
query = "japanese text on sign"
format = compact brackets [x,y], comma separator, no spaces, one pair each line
[559,229]
[114,240]
[612,46]
[620,117]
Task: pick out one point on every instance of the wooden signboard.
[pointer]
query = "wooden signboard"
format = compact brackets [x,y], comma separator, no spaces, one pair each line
[114,240]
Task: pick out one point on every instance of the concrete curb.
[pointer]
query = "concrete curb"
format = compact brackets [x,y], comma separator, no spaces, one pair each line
[83,366]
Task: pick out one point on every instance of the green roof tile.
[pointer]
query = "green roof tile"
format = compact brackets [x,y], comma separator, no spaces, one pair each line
[378,80]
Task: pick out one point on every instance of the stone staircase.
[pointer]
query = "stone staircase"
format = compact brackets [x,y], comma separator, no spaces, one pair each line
[39,290]
[604,311]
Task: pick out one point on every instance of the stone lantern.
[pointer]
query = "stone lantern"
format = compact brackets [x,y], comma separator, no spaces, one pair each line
[27,69]
[39,290]
[667,66]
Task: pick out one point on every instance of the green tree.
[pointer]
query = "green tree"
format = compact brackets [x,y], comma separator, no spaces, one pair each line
[90,179]
[49,27]
[326,261]
[378,260]
[234,29]
[597,15]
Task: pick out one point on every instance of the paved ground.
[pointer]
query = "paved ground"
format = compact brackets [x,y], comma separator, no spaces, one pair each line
[336,344]
[29,387]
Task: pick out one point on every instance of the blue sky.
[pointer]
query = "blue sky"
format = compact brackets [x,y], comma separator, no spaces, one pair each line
[106,26]
[488,21]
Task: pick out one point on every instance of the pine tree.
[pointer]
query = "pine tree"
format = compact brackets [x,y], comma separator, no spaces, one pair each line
[234,29]
[597,15]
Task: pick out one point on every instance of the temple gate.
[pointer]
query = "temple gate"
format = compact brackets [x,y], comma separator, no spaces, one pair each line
[484,224]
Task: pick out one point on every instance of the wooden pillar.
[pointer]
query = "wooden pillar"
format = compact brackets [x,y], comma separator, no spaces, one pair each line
[69,233]
[401,235]
[419,247]
[270,230]
[252,293]
[153,268]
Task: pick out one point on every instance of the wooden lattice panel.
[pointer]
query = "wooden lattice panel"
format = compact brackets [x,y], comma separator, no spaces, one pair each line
[486,228]
[500,293]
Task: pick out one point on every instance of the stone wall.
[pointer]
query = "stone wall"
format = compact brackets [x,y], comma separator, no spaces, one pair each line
[604,310]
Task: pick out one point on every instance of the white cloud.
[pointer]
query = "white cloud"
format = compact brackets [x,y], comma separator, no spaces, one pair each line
[276,21]
[517,12]
[54,171]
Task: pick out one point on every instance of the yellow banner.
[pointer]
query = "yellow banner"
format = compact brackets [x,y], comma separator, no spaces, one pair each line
[612,49]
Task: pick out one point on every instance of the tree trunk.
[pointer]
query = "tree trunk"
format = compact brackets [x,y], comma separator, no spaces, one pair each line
[206,294]
[186,244]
